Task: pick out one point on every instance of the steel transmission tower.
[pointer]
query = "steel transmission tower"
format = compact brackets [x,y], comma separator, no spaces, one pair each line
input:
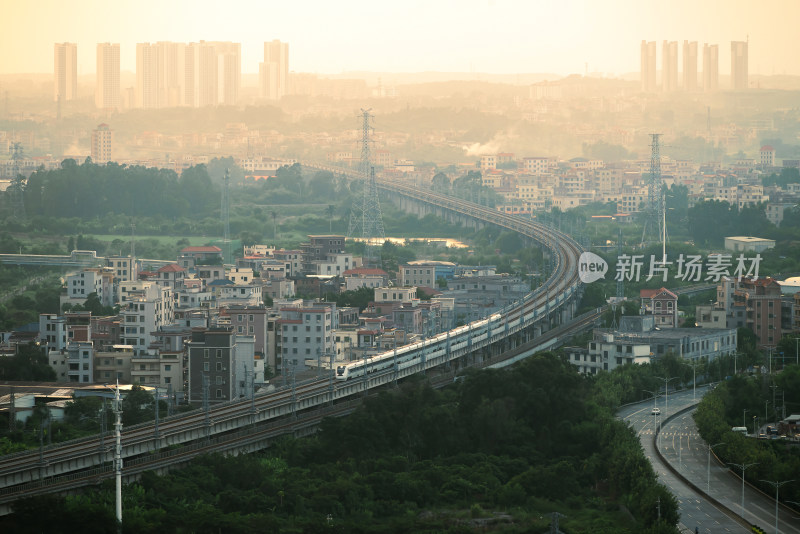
[366,220]
[225,215]
[654,219]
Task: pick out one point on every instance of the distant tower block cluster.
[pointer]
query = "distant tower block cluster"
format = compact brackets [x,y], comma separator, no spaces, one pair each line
[273,72]
[65,80]
[689,74]
[201,74]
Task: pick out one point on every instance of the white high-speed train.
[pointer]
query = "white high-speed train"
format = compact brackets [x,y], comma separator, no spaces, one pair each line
[436,350]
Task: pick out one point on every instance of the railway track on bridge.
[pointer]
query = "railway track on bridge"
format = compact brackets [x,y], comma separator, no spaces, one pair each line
[528,323]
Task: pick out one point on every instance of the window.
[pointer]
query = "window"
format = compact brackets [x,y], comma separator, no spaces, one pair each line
[219,366]
[168,367]
[219,353]
[206,366]
[167,380]
[218,380]
[219,393]
[205,353]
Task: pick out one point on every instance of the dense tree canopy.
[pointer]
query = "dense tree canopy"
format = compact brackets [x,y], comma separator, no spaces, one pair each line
[90,190]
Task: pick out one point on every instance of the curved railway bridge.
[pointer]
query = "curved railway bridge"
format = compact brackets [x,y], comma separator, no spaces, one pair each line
[532,323]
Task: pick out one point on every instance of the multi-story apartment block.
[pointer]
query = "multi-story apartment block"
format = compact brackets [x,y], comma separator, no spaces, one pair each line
[535,165]
[171,276]
[761,299]
[302,332]
[65,82]
[81,284]
[669,66]
[637,341]
[146,308]
[102,144]
[662,304]
[113,365]
[80,361]
[710,67]
[274,70]
[124,267]
[220,365]
[106,94]
[739,65]
[648,66]
[690,65]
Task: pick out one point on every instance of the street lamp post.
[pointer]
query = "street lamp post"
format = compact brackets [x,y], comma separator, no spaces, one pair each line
[796,352]
[666,392]
[777,484]
[708,465]
[744,419]
[743,467]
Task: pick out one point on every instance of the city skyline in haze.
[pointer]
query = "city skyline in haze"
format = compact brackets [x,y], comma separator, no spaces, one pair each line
[489,36]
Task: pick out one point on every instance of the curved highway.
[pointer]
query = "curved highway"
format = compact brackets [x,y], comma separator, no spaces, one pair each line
[709,493]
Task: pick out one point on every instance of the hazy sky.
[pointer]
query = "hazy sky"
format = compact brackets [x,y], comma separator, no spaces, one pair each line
[493,36]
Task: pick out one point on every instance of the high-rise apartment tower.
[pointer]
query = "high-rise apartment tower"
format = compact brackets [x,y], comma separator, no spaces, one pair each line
[648,66]
[106,94]
[710,67]
[273,73]
[739,57]
[690,65]
[65,83]
[669,66]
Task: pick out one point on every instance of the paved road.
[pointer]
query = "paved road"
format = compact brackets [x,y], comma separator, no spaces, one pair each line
[686,452]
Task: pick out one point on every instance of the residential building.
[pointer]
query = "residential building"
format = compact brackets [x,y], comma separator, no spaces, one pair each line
[190,257]
[107,94]
[662,304]
[171,276]
[761,299]
[767,154]
[638,341]
[739,67]
[669,66]
[302,331]
[102,144]
[124,267]
[113,365]
[65,82]
[748,244]
[710,67]
[274,70]
[219,363]
[147,307]
[80,362]
[364,277]
[690,65]
[648,66]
